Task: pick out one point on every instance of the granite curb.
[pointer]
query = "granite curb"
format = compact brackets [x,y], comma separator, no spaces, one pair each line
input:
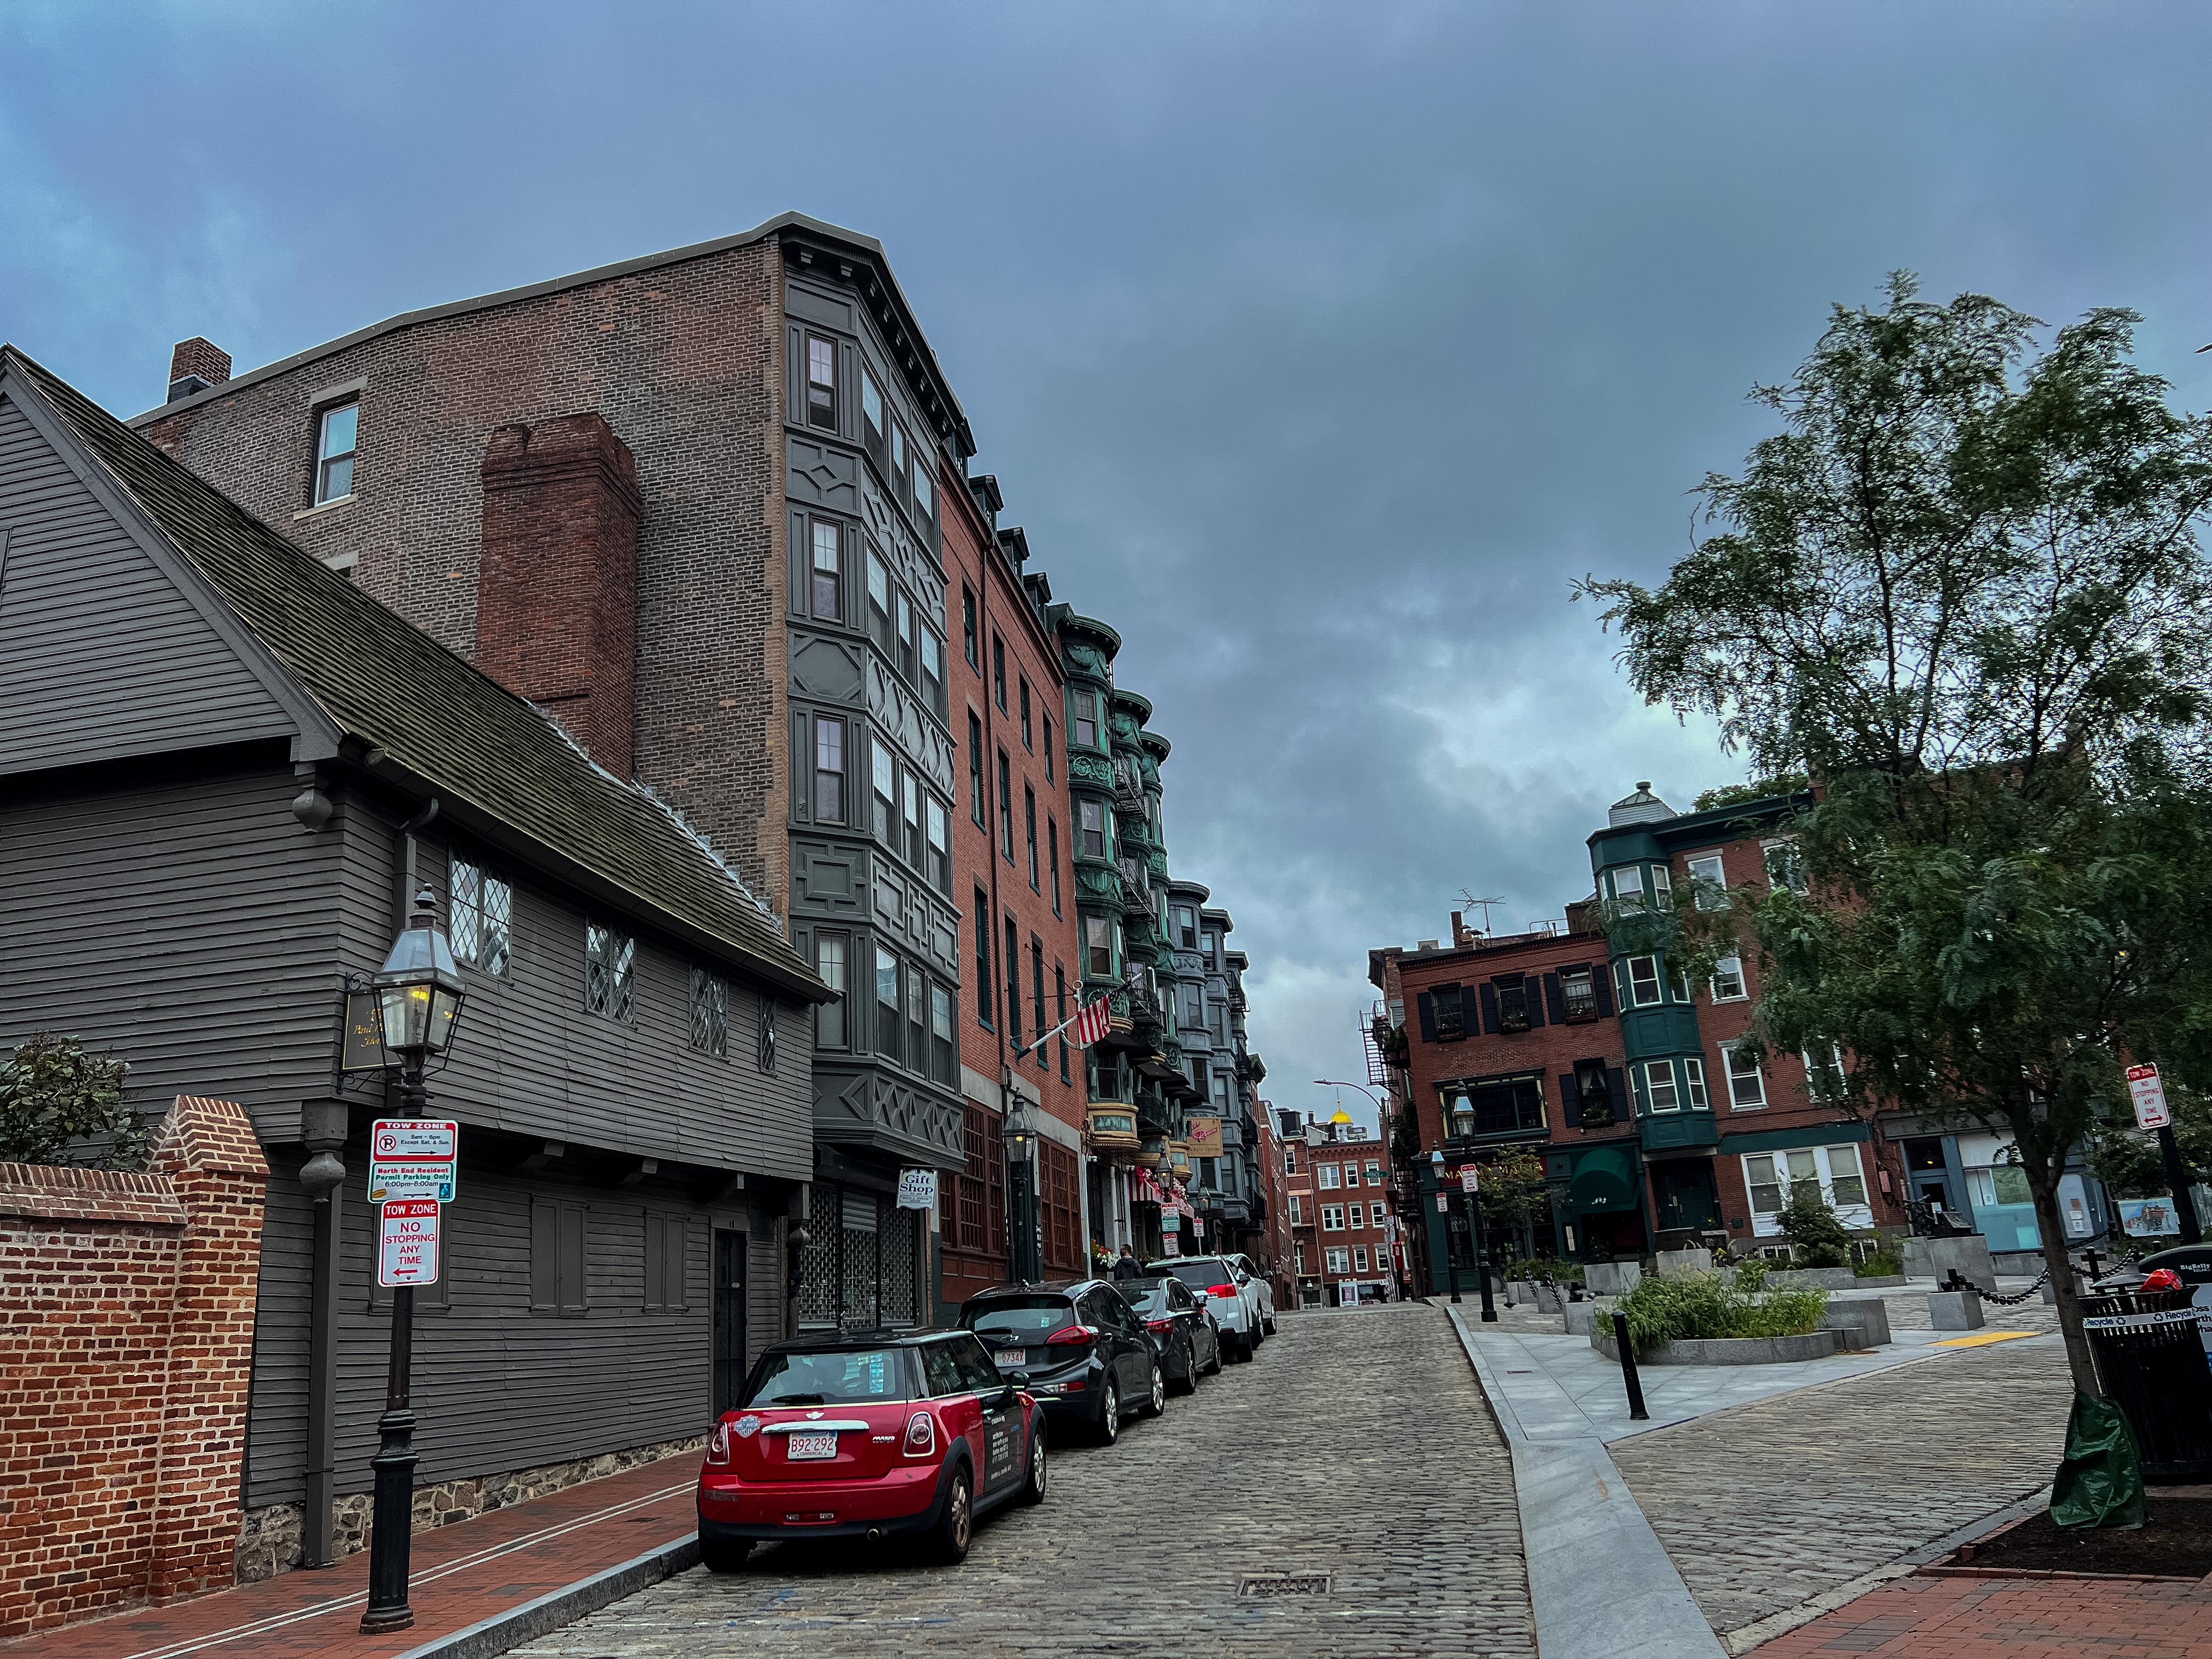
[550,1612]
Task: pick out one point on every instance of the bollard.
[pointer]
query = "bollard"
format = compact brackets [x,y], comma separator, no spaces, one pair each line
[1635,1412]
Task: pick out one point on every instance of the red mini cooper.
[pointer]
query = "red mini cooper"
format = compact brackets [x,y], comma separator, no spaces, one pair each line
[869,1435]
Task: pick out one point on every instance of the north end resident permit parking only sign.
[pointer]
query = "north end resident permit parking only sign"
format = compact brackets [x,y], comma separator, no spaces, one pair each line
[407,1242]
[412,1158]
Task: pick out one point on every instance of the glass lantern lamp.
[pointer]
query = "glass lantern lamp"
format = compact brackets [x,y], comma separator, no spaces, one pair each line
[418,989]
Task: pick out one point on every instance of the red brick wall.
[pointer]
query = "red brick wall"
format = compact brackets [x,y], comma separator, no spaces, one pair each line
[556,579]
[127,1335]
[684,362]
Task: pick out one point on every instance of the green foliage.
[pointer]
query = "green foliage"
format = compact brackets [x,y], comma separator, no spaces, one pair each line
[1513,1186]
[1751,1272]
[1963,588]
[2127,1159]
[1735,794]
[1806,1222]
[1704,1306]
[1405,1135]
[54,1095]
[1883,1264]
[1529,1268]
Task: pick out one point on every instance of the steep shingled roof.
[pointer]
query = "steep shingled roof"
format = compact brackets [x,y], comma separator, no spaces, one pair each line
[385,681]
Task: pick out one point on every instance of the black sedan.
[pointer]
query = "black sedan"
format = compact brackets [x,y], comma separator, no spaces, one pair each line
[1190,1342]
[1087,1355]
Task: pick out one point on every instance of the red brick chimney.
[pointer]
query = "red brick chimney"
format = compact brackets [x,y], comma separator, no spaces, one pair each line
[195,365]
[556,581]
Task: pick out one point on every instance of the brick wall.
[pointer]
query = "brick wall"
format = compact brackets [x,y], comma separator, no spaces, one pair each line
[684,363]
[126,1336]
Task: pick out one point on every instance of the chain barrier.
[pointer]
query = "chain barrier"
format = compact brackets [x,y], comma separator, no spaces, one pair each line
[2042,1279]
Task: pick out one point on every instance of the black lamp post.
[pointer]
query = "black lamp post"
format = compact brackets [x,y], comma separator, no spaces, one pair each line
[1028,1263]
[418,994]
[1451,1267]
[1474,1231]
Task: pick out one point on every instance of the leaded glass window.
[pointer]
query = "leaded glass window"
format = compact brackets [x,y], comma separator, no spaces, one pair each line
[710,1014]
[481,919]
[609,972]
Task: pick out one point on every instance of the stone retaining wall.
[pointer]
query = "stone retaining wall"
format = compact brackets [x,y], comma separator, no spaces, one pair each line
[1725,1350]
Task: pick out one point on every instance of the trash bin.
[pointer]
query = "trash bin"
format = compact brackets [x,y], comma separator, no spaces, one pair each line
[2153,1367]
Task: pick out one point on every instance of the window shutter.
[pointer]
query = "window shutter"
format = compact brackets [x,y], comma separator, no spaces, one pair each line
[1555,999]
[1616,1084]
[572,1258]
[656,1287]
[799,561]
[1602,983]
[1489,1007]
[544,1254]
[1531,999]
[802,769]
[1428,1017]
[1570,1101]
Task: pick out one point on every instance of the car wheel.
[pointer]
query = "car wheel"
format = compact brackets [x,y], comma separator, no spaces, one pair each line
[1268,1326]
[1242,1352]
[1109,1417]
[1033,1483]
[1188,1383]
[1158,1401]
[724,1554]
[957,1526]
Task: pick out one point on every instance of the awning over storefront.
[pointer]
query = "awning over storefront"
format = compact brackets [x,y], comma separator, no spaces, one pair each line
[1604,1181]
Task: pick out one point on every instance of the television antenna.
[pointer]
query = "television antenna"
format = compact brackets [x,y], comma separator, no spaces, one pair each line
[1481,904]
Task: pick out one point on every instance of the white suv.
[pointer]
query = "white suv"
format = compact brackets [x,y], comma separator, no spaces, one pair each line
[1262,1292]
[1226,1289]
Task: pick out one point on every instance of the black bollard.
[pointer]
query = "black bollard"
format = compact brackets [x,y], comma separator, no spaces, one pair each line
[1635,1412]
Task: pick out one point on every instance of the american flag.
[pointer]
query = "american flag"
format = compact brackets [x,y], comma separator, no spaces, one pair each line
[1090,1023]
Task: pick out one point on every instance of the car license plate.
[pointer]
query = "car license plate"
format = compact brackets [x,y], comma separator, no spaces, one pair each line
[1008,1356]
[811,1445]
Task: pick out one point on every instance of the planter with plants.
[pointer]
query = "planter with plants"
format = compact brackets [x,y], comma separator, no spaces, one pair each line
[1703,1319]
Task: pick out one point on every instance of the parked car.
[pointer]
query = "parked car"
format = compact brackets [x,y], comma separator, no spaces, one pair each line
[1215,1278]
[869,1435]
[1262,1294]
[1190,1342]
[1089,1359]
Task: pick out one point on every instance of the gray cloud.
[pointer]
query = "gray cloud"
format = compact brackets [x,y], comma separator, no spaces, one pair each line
[1318,347]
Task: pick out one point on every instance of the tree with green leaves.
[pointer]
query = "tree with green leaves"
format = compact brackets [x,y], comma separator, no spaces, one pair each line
[1961,590]
[59,1104]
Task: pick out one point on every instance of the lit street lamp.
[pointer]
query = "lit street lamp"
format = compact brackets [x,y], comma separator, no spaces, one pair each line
[418,994]
[1474,1230]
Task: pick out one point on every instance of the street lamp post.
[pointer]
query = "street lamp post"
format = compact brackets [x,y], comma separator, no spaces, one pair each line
[1436,1169]
[1474,1230]
[418,993]
[1028,1263]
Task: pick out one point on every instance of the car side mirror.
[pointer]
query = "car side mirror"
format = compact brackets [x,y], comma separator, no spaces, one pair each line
[1018,1379]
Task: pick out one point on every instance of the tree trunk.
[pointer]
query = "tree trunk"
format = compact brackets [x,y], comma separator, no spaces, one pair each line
[2043,1188]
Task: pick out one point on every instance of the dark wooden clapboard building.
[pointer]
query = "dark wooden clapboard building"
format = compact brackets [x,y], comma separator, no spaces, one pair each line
[222,769]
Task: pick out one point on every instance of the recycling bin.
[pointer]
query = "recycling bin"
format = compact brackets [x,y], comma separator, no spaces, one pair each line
[2153,1367]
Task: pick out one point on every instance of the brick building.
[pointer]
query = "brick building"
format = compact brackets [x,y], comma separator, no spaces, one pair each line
[1023,1218]
[1337,1189]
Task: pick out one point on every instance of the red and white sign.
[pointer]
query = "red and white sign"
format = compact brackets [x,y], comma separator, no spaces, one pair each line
[412,1158]
[1091,1025]
[1172,1243]
[2149,1096]
[407,1242]
[1444,1201]
[1467,1180]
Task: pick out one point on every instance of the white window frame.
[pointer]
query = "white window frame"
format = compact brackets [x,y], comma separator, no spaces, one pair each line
[1326,1177]
[1708,881]
[1297,1210]
[1756,1075]
[1826,1164]
[1636,998]
[1613,881]
[1376,1213]
[1812,1070]
[1374,1173]
[1693,1080]
[1359,1258]
[1332,1217]
[1793,865]
[1658,1074]
[326,458]
[1729,970]
[1662,884]
[1338,1258]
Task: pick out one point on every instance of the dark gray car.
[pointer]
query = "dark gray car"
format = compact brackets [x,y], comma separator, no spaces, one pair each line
[1190,1342]
[1088,1359]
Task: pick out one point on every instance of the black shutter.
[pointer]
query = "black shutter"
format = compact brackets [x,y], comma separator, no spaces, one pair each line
[802,768]
[1555,1001]
[1602,983]
[1489,1007]
[1570,1101]
[1616,1084]
[656,1261]
[1428,1017]
[1531,999]
[544,1254]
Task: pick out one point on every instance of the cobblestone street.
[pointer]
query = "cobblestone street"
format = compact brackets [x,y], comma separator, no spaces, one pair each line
[1357,1444]
[1765,1505]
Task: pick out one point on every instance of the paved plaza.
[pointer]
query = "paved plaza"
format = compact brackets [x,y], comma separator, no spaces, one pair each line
[1356,1444]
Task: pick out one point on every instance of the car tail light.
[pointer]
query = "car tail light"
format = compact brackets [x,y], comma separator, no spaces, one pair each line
[1221,1290]
[1073,1336]
[920,1435]
[1162,1327]
[718,1445]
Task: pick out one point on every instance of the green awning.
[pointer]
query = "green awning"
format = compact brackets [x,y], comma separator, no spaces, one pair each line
[1605,1180]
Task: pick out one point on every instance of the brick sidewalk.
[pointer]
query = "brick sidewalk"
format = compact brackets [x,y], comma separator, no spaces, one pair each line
[462,1573]
[1948,1618]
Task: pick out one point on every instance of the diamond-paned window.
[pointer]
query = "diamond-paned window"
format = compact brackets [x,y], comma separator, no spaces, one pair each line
[481,918]
[710,1014]
[609,972]
[764,1049]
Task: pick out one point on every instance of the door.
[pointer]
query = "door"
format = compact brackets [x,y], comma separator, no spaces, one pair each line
[1687,1199]
[729,1319]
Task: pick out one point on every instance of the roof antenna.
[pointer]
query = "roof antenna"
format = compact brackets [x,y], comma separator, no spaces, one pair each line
[1482,904]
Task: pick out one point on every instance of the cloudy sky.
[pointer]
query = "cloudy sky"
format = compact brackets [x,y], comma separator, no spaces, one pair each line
[1317,348]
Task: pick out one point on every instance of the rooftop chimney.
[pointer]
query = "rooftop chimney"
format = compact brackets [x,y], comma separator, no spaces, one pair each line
[556,578]
[195,365]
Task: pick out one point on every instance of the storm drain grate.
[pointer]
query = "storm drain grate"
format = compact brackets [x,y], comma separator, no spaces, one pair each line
[1286,1583]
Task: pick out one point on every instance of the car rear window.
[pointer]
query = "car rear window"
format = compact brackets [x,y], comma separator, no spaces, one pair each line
[848,1378]
[1026,1317]
[1201,1274]
[1144,1295]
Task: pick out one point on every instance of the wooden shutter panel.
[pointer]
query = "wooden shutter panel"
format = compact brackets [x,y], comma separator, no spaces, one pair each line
[1489,1007]
[1602,983]
[1570,1101]
[1531,999]
[1428,1005]
[656,1250]
[544,1254]
[1616,1084]
[802,769]
[1555,999]
[572,1258]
